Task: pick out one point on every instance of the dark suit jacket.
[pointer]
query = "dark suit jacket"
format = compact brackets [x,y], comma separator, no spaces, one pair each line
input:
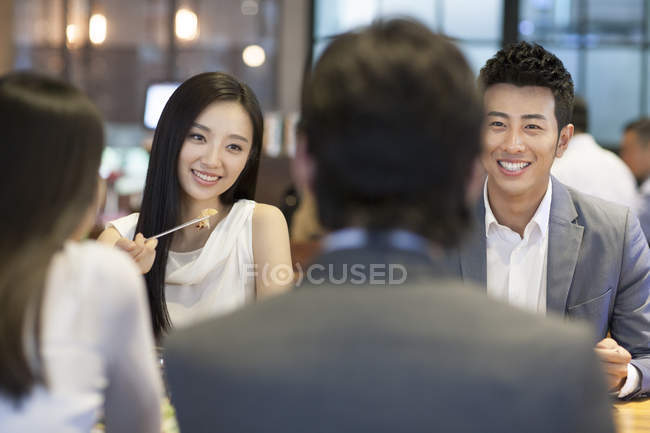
[598,269]
[426,355]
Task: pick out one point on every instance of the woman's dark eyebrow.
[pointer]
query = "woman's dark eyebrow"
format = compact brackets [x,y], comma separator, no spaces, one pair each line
[203,127]
[206,129]
[238,137]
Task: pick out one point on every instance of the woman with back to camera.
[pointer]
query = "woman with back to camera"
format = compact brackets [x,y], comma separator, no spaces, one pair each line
[74,321]
[205,155]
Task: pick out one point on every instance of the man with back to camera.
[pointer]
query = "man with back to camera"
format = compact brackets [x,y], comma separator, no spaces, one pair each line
[635,151]
[545,247]
[591,169]
[391,125]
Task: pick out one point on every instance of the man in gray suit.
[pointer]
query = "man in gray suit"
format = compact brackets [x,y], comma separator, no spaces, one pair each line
[543,246]
[376,339]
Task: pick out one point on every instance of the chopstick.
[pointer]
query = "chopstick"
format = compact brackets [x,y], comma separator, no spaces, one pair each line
[189,223]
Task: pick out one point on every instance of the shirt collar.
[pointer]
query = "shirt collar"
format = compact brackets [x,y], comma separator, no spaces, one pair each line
[540,218]
[356,237]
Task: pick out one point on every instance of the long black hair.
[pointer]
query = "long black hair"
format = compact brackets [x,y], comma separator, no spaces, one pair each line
[160,208]
[52,139]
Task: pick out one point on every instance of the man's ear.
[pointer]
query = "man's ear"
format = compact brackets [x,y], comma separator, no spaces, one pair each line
[303,166]
[563,142]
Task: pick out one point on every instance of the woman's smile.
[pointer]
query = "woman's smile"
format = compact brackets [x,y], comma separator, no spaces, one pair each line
[205,178]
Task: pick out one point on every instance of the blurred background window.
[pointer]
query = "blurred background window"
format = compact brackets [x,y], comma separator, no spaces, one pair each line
[604,44]
[126,54]
[475,25]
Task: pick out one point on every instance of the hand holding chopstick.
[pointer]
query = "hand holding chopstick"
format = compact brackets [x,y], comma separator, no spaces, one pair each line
[143,250]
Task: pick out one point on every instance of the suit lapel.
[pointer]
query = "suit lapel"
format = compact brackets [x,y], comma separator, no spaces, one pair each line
[564,241]
[473,250]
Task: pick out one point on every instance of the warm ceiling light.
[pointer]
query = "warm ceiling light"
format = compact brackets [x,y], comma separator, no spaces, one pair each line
[254,56]
[187,25]
[97,29]
[72,34]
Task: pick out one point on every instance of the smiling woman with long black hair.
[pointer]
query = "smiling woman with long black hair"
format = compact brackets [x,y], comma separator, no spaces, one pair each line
[205,154]
[75,337]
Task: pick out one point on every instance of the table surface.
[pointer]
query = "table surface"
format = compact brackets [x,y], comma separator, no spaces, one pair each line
[629,416]
[632,416]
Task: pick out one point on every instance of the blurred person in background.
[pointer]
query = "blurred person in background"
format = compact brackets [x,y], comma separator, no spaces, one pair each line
[205,154]
[546,247]
[635,151]
[392,125]
[590,169]
[75,336]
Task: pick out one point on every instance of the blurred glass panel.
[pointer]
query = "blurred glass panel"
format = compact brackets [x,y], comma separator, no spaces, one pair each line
[647,33]
[337,16]
[552,21]
[478,54]
[619,21]
[469,19]
[613,83]
[422,10]
[591,22]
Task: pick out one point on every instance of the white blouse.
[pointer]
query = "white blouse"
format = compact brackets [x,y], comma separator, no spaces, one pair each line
[97,348]
[212,280]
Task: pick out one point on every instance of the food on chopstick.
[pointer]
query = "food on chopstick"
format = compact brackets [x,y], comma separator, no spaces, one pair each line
[205,224]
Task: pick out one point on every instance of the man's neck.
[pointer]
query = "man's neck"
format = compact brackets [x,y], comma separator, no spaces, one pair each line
[514,211]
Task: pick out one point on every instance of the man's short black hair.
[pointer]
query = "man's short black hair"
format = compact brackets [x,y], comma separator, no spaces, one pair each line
[642,128]
[525,64]
[393,120]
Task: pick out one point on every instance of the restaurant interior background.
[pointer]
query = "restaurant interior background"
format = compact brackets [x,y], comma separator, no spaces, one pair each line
[120,51]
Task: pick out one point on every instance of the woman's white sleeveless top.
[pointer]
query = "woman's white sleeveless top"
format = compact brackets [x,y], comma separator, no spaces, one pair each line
[215,279]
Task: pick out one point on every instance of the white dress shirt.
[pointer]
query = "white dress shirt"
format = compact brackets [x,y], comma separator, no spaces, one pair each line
[590,169]
[516,266]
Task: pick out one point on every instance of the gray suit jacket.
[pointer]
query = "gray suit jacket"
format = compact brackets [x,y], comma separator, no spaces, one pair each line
[425,355]
[598,269]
